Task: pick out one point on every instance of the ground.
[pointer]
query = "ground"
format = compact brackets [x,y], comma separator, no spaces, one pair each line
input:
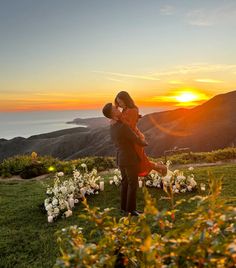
[27,240]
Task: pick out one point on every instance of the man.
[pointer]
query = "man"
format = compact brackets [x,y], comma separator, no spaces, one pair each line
[127,158]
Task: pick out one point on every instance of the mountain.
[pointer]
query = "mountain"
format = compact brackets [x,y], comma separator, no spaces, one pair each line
[206,127]
[90,122]
[209,126]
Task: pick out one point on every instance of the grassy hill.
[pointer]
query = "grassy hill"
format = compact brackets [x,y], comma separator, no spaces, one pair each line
[27,240]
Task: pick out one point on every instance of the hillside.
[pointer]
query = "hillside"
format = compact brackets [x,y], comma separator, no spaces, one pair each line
[209,126]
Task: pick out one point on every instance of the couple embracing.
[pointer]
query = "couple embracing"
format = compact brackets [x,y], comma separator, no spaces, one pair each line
[129,142]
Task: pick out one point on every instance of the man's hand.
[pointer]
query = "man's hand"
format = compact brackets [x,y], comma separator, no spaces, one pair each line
[144,142]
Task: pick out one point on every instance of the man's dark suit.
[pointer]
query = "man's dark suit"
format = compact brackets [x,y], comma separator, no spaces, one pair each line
[128,161]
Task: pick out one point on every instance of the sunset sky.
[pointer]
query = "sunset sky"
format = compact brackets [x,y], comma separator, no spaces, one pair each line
[78,54]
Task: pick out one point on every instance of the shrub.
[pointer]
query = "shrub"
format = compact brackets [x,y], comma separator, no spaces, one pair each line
[25,165]
[22,164]
[197,157]
[33,170]
[14,165]
[204,237]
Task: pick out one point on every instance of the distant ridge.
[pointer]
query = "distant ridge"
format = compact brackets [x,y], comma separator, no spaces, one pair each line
[206,127]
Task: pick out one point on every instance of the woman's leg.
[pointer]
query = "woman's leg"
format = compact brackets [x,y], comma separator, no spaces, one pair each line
[159,167]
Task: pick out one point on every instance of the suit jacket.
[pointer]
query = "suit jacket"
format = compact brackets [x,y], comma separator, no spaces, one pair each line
[124,139]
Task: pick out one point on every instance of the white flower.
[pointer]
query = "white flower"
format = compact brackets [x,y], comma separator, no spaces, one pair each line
[107,209]
[56,210]
[183,190]
[148,183]
[71,202]
[49,191]
[68,213]
[46,202]
[76,174]
[50,218]
[176,191]
[72,188]
[54,201]
[181,178]
[55,191]
[48,207]
[82,191]
[94,171]
[76,201]
[190,168]
[189,188]
[63,189]
[83,165]
[60,174]
[155,183]
[191,181]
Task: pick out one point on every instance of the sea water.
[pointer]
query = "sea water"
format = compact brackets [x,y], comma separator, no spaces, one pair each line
[26,124]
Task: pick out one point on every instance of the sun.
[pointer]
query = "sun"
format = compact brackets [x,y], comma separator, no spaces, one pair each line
[186,97]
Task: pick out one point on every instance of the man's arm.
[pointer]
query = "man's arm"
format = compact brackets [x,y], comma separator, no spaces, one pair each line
[133,137]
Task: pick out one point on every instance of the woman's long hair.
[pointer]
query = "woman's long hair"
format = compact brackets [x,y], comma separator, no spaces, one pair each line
[125,97]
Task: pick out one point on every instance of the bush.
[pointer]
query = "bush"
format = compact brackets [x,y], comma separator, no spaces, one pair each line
[205,237]
[199,157]
[33,170]
[14,165]
[21,164]
[25,165]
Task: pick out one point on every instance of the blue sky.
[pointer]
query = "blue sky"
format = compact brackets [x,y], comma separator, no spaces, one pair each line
[54,52]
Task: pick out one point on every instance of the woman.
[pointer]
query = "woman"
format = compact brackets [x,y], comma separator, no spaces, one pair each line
[130,116]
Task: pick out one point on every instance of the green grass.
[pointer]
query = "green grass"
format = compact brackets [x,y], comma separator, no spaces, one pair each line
[27,240]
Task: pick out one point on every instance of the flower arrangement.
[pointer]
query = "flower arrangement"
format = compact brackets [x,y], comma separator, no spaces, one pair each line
[176,179]
[116,179]
[65,193]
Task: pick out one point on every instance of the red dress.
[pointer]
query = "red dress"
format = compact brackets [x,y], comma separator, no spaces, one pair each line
[130,117]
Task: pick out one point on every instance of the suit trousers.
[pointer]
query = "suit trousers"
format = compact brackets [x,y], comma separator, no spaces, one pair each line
[129,185]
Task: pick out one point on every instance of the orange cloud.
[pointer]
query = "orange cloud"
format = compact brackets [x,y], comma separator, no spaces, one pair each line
[182,98]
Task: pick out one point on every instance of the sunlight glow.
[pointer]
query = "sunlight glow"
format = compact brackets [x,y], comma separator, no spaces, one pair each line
[186,97]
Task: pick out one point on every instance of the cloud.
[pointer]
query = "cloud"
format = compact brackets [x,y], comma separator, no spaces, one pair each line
[114,80]
[210,17]
[167,10]
[207,80]
[145,77]
[178,74]
[195,68]
[175,82]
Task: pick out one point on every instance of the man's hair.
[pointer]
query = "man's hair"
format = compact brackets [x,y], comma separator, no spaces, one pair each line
[107,109]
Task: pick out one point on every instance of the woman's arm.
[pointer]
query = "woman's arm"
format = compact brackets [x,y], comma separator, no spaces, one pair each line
[129,117]
[133,137]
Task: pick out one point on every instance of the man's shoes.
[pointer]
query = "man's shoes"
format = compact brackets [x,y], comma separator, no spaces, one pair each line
[139,211]
[135,213]
[122,212]
[132,213]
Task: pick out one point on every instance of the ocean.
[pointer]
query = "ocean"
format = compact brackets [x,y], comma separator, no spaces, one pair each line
[26,124]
